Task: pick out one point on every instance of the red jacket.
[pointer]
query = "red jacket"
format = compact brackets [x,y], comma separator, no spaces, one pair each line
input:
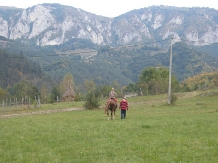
[124,105]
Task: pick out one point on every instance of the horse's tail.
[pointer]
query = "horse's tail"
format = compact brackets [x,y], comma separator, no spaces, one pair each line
[106,107]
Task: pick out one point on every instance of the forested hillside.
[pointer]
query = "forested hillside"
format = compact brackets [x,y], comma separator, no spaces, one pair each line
[16,67]
[209,49]
[186,62]
[62,39]
[105,64]
[202,81]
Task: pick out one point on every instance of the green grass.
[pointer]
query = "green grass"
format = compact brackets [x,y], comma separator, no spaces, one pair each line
[152,132]
[43,107]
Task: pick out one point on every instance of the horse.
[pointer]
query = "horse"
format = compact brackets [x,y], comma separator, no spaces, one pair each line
[111,105]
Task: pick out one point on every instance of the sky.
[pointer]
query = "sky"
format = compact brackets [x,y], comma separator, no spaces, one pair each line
[113,8]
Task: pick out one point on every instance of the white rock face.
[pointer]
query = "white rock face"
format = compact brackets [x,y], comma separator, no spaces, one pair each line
[83,34]
[176,38]
[193,37]
[3,27]
[147,17]
[174,35]
[167,34]
[209,37]
[89,28]
[67,24]
[176,20]
[145,31]
[97,38]
[43,23]
[41,19]
[46,40]
[21,29]
[158,21]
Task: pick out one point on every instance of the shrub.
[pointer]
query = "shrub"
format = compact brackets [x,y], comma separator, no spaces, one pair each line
[173,98]
[92,100]
[78,97]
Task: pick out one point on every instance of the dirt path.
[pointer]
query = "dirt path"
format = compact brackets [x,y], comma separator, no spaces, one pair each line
[188,94]
[39,112]
[181,96]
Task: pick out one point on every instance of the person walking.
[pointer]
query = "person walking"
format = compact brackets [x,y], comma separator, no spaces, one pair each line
[124,107]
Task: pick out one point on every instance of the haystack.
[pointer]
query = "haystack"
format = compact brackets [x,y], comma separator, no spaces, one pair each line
[69,95]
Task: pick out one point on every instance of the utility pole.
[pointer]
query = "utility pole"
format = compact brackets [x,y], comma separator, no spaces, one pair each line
[170,72]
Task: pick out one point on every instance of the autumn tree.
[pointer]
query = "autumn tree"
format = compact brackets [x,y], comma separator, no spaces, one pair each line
[44,93]
[68,81]
[23,89]
[93,95]
[54,94]
[155,80]
[3,94]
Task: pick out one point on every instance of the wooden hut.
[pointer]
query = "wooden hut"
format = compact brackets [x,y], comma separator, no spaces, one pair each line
[69,95]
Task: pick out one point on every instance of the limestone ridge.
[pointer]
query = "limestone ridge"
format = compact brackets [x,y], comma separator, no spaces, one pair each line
[54,24]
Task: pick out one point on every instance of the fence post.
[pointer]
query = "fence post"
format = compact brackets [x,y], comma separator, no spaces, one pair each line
[38,102]
[29,102]
[3,104]
[141,92]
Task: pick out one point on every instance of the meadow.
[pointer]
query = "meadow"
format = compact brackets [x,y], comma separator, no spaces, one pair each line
[153,132]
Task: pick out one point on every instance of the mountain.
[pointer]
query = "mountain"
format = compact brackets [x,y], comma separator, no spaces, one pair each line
[64,39]
[54,24]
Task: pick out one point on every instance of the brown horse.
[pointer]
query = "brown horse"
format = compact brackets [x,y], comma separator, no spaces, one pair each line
[111,105]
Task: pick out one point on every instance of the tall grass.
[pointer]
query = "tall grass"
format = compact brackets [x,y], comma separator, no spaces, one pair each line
[152,132]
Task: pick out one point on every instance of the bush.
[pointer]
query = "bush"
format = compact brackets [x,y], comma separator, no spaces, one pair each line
[78,97]
[92,100]
[173,99]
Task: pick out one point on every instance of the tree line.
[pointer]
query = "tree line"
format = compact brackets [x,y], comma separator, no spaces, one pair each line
[22,78]
[151,81]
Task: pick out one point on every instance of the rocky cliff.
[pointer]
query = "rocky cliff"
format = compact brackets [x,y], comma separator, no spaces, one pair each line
[54,24]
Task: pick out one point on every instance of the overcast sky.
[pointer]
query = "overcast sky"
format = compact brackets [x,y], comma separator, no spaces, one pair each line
[112,8]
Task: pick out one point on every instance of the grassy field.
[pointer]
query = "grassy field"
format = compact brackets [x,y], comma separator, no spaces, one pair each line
[153,132]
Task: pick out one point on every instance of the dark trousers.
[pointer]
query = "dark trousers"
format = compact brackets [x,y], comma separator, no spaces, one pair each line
[123,114]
